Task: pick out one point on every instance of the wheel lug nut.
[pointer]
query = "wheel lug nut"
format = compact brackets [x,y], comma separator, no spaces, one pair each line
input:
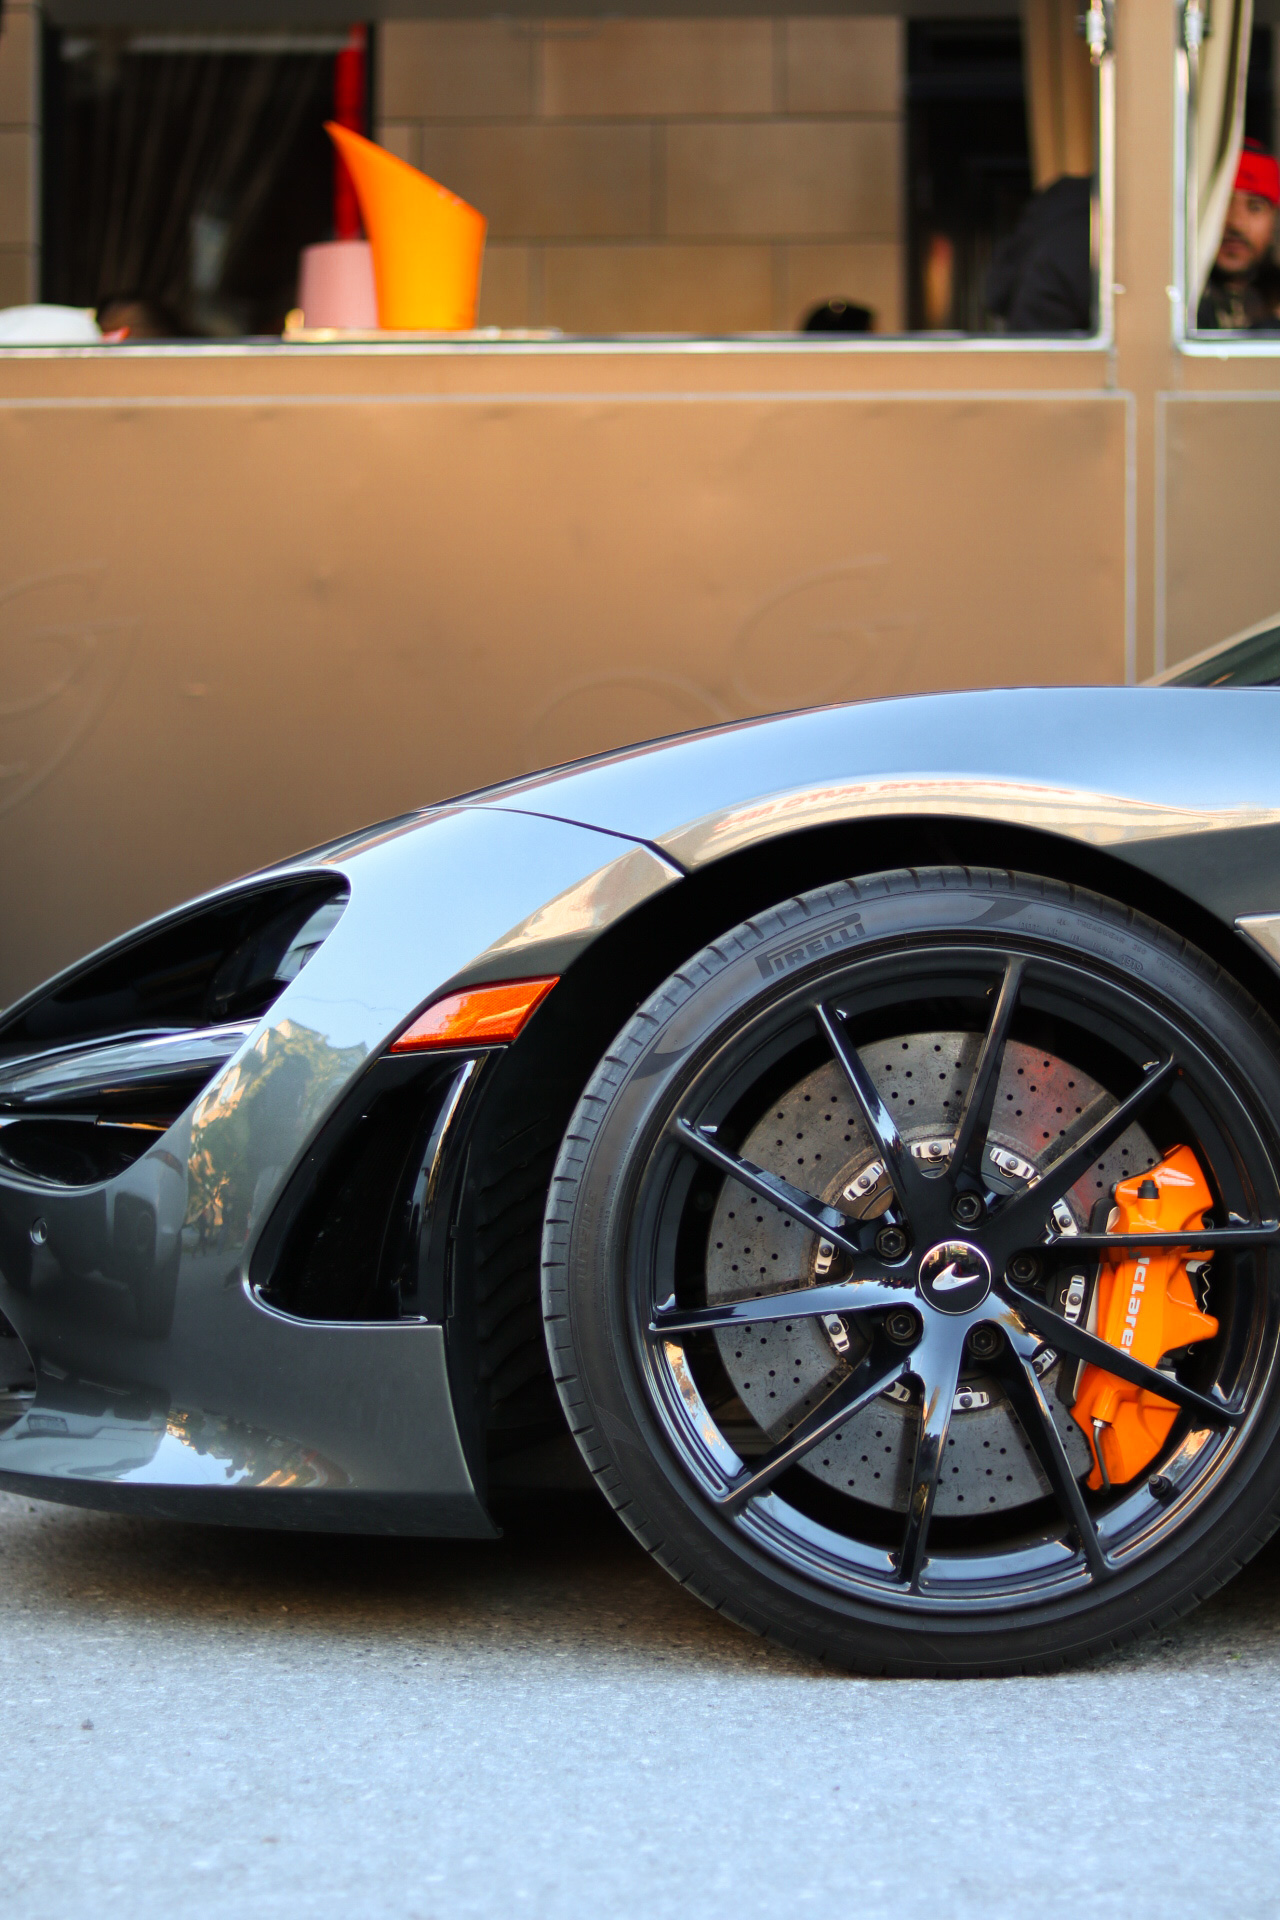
[984,1342]
[901,1326]
[968,1209]
[891,1243]
[1023,1268]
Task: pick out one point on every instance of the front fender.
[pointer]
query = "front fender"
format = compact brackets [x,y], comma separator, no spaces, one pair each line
[164,1383]
[1181,783]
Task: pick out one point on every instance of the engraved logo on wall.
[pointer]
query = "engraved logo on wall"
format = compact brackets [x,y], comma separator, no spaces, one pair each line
[60,663]
[834,634]
[829,635]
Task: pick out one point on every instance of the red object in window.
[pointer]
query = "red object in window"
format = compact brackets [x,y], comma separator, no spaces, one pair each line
[349,94]
[1258,173]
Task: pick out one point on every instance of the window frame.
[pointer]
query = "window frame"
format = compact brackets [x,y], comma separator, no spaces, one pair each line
[1187,338]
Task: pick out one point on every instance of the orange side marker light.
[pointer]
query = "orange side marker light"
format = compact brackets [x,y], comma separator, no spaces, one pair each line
[478,1016]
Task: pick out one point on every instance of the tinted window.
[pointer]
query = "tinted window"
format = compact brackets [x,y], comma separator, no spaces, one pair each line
[1251,662]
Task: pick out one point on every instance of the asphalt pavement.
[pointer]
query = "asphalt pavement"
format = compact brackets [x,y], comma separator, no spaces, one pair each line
[211,1722]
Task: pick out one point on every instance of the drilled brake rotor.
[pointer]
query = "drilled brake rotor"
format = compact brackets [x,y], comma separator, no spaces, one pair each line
[815,1137]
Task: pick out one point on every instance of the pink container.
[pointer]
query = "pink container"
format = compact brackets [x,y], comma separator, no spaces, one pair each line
[335,285]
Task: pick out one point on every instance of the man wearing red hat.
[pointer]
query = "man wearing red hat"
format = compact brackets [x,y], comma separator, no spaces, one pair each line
[1243,290]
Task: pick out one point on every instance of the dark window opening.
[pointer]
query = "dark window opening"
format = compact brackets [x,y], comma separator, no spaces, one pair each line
[1259,99]
[186,176]
[968,165]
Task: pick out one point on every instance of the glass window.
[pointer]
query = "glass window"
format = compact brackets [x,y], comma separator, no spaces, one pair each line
[183,175]
[1249,659]
[1232,173]
[1001,142]
[792,176]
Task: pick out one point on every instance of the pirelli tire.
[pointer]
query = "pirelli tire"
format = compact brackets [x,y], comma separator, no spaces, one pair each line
[645,1204]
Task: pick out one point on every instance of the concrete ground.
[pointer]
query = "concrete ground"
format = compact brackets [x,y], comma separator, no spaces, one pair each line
[208,1722]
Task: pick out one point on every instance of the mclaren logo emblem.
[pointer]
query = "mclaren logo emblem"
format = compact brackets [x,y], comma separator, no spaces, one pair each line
[954,1276]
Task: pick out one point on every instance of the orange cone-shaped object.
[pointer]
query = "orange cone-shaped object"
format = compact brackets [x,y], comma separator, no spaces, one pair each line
[427,244]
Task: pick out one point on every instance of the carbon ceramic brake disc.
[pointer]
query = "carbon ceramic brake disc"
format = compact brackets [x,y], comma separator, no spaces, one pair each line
[816,1138]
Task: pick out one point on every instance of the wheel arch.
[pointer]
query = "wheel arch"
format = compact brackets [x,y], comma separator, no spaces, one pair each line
[534,1092]
[618,971]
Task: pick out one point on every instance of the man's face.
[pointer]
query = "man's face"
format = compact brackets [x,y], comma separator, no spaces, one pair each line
[1251,222]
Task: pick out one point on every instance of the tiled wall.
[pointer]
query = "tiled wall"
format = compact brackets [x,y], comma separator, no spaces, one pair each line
[654,175]
[19,153]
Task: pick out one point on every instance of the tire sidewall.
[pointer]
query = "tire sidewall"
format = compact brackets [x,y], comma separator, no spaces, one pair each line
[752,972]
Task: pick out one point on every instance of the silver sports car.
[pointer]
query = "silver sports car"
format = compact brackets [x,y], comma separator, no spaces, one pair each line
[852,1139]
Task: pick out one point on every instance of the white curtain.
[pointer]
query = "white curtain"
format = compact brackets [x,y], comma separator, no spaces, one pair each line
[1061,89]
[1218,75]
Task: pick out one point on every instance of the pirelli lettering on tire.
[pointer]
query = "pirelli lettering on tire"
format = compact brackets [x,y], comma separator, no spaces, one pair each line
[817,948]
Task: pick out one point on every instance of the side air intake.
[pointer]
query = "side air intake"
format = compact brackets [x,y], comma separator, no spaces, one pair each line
[99,1065]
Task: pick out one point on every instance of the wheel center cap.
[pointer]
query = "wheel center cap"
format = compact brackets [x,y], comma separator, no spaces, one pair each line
[954,1276]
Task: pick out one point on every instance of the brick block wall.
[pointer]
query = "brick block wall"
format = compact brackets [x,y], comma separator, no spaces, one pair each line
[701,176]
[19,153]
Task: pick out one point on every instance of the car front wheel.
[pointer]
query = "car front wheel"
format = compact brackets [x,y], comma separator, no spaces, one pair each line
[907,1273]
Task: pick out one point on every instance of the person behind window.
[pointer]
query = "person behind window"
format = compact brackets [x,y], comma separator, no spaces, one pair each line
[133,316]
[1040,278]
[1243,289]
[839,316]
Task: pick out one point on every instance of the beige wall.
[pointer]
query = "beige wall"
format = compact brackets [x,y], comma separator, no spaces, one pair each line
[1219,456]
[235,626]
[19,153]
[662,175]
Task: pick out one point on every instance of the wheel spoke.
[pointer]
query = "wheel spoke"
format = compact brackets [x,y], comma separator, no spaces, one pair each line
[869,1295]
[975,1116]
[1266,1233]
[951,1227]
[935,1363]
[1026,1396]
[878,1368]
[804,1207]
[1026,1212]
[908,1183]
[1082,1345]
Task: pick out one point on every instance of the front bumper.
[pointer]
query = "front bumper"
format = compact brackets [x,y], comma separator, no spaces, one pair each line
[165,1382]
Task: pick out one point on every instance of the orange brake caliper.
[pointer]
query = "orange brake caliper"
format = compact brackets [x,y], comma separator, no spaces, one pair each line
[1146,1304]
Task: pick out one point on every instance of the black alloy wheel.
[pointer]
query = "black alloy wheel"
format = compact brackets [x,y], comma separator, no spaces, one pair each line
[815,1253]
